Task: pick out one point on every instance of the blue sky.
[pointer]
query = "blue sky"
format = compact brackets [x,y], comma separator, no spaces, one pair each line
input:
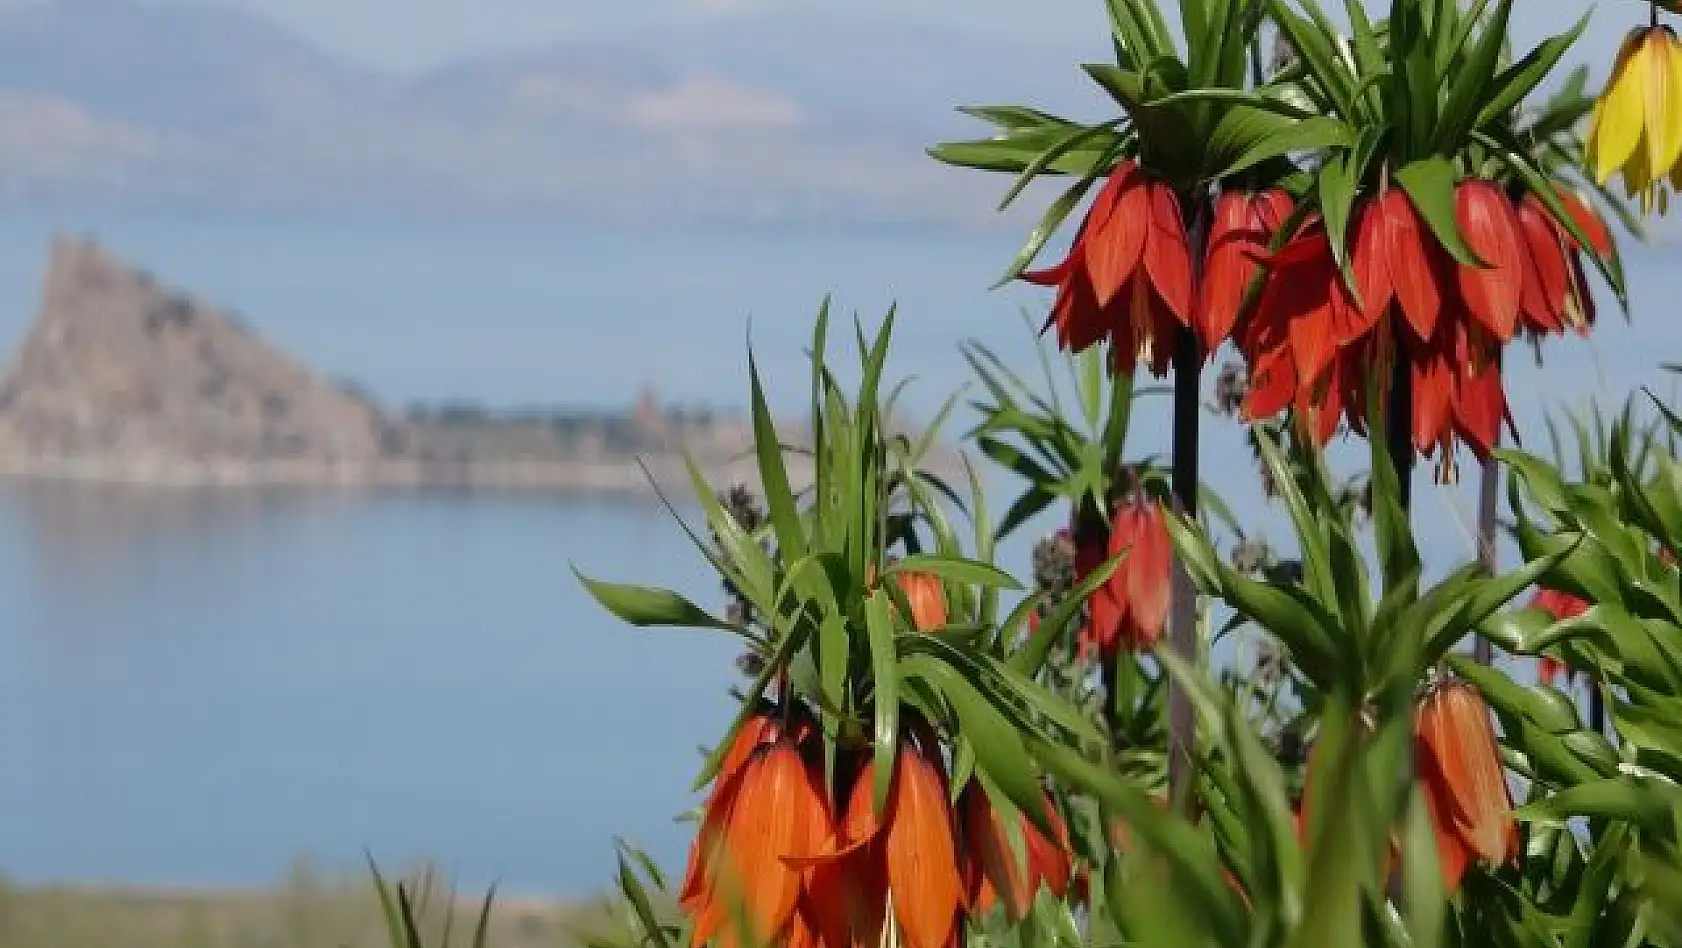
[411,35]
[405,35]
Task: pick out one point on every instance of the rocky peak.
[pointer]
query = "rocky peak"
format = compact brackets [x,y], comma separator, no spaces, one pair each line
[118,369]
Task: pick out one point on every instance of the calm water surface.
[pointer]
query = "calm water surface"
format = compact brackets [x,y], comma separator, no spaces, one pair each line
[197,686]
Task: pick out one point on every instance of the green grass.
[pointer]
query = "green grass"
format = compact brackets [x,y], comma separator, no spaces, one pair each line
[308,910]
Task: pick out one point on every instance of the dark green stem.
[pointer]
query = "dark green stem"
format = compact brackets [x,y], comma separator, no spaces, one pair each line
[1182,617]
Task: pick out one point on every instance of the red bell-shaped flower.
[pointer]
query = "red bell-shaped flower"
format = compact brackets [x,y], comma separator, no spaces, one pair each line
[1127,278]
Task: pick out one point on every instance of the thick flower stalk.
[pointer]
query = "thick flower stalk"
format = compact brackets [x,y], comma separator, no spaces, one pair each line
[1636,127]
[1127,277]
[1458,764]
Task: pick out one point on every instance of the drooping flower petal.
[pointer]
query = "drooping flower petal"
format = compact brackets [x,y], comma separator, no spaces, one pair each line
[1371,261]
[1115,244]
[1588,220]
[1663,105]
[756,730]
[1491,293]
[1559,605]
[1546,274]
[1618,121]
[997,872]
[1140,584]
[1049,858]
[1167,255]
[1433,390]
[1273,386]
[773,818]
[1228,267]
[1459,763]
[921,852]
[1414,273]
[1480,404]
[1634,128]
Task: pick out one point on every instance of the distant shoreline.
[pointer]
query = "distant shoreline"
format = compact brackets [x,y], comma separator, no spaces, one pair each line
[124,380]
[616,478]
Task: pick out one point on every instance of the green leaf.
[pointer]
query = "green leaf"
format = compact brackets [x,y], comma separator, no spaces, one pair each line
[646,606]
[1429,183]
[957,569]
[1025,508]
[999,751]
[791,539]
[779,659]
[1620,798]
[1422,882]
[1316,556]
[1057,150]
[638,897]
[1054,216]
[1312,134]
[820,446]
[1472,82]
[1339,182]
[1517,81]
[1031,657]
[884,656]
[1192,863]
[388,906]
[1319,55]
[482,928]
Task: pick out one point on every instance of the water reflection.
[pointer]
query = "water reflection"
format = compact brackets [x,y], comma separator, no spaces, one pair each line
[198,686]
[91,540]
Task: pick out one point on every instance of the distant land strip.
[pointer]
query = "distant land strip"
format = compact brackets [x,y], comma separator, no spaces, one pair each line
[121,380]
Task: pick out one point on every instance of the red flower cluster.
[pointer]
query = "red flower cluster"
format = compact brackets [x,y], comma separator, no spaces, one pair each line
[772,854]
[1131,608]
[1314,344]
[1127,278]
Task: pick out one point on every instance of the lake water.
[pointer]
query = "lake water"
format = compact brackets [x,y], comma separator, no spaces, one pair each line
[197,686]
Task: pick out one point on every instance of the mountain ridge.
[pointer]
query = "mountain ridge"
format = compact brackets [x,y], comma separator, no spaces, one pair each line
[119,104]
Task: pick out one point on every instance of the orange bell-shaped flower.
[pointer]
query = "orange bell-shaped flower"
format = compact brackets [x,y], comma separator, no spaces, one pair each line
[996,871]
[926,595]
[1458,764]
[767,804]
[902,864]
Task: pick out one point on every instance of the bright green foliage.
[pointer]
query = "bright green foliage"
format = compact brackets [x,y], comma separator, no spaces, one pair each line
[1341,851]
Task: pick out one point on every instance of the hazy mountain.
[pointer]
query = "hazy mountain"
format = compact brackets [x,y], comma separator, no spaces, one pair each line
[772,117]
[167,67]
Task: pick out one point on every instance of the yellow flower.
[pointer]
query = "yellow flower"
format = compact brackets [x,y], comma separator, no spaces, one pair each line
[1636,126]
